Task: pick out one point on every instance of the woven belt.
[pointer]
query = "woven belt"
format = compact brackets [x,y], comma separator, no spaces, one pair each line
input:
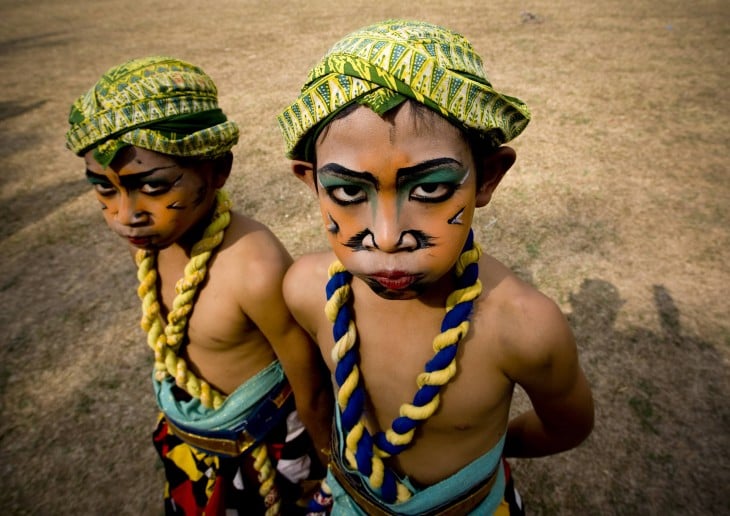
[234,443]
[372,507]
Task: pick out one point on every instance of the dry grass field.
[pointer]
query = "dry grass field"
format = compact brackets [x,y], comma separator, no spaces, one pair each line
[618,208]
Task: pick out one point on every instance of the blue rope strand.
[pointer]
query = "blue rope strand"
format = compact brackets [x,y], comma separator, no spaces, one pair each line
[441,359]
[388,490]
[364,454]
[353,411]
[338,280]
[456,315]
[342,323]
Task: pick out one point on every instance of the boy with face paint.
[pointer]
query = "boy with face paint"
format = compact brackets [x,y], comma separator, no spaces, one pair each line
[157,149]
[400,136]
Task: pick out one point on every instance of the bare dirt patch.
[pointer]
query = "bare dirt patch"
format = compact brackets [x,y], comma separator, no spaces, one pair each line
[618,208]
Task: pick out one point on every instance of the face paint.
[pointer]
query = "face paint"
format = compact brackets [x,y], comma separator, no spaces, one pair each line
[346,187]
[333,227]
[432,185]
[400,197]
[410,240]
[457,219]
[150,200]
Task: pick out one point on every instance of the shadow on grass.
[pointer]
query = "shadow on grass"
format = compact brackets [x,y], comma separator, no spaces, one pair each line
[660,443]
[34,42]
[25,208]
[10,110]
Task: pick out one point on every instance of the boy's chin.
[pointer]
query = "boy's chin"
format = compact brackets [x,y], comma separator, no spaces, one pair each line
[146,244]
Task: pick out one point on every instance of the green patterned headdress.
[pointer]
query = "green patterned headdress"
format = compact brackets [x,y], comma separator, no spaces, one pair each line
[386,63]
[161,104]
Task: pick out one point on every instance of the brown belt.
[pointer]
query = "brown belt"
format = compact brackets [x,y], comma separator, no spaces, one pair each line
[218,445]
[230,446]
[460,507]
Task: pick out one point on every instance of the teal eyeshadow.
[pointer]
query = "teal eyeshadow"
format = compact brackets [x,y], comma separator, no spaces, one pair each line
[454,176]
[333,181]
[97,181]
[444,175]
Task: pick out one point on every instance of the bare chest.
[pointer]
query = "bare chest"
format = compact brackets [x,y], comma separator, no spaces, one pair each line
[213,317]
[220,343]
[396,349]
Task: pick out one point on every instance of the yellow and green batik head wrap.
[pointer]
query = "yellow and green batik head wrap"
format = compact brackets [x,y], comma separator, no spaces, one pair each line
[161,104]
[384,64]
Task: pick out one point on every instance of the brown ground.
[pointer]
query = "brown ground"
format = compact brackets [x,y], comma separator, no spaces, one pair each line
[618,208]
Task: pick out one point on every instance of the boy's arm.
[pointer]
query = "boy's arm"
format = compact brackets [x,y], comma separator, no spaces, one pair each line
[297,353]
[546,366]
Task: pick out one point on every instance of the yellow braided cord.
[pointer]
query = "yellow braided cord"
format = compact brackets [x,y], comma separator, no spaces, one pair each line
[194,273]
[472,291]
[347,388]
[266,475]
[351,440]
[166,341]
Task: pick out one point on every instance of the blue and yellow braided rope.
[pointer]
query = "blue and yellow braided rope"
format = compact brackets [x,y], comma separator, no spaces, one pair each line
[363,451]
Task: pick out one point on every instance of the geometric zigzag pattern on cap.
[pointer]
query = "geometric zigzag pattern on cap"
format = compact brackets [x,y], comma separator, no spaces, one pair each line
[130,97]
[424,62]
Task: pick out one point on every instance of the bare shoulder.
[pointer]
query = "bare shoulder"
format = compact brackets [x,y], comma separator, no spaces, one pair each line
[531,329]
[251,256]
[250,237]
[304,284]
[536,349]
[307,277]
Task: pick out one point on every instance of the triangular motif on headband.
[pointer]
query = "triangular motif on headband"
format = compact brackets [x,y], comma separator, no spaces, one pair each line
[420,61]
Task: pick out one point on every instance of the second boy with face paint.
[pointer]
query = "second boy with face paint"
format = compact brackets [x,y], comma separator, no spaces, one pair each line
[398,134]
[157,150]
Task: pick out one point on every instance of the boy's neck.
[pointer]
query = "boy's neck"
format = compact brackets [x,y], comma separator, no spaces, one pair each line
[195,233]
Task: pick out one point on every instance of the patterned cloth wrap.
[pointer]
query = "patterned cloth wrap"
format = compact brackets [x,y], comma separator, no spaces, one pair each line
[161,104]
[384,64]
[430,499]
[201,481]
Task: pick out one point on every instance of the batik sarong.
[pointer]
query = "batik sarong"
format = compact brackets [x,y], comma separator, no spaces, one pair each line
[204,477]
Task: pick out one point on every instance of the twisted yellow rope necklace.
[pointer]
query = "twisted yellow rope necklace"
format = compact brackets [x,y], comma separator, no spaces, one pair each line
[363,451]
[166,341]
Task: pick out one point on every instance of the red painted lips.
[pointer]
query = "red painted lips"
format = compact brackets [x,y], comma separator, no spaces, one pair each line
[395,280]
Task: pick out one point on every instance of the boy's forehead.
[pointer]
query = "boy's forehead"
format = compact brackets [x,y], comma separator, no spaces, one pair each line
[407,123]
[132,159]
[408,117]
[420,132]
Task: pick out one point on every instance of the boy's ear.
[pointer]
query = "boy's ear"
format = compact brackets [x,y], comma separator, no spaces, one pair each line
[492,169]
[304,170]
